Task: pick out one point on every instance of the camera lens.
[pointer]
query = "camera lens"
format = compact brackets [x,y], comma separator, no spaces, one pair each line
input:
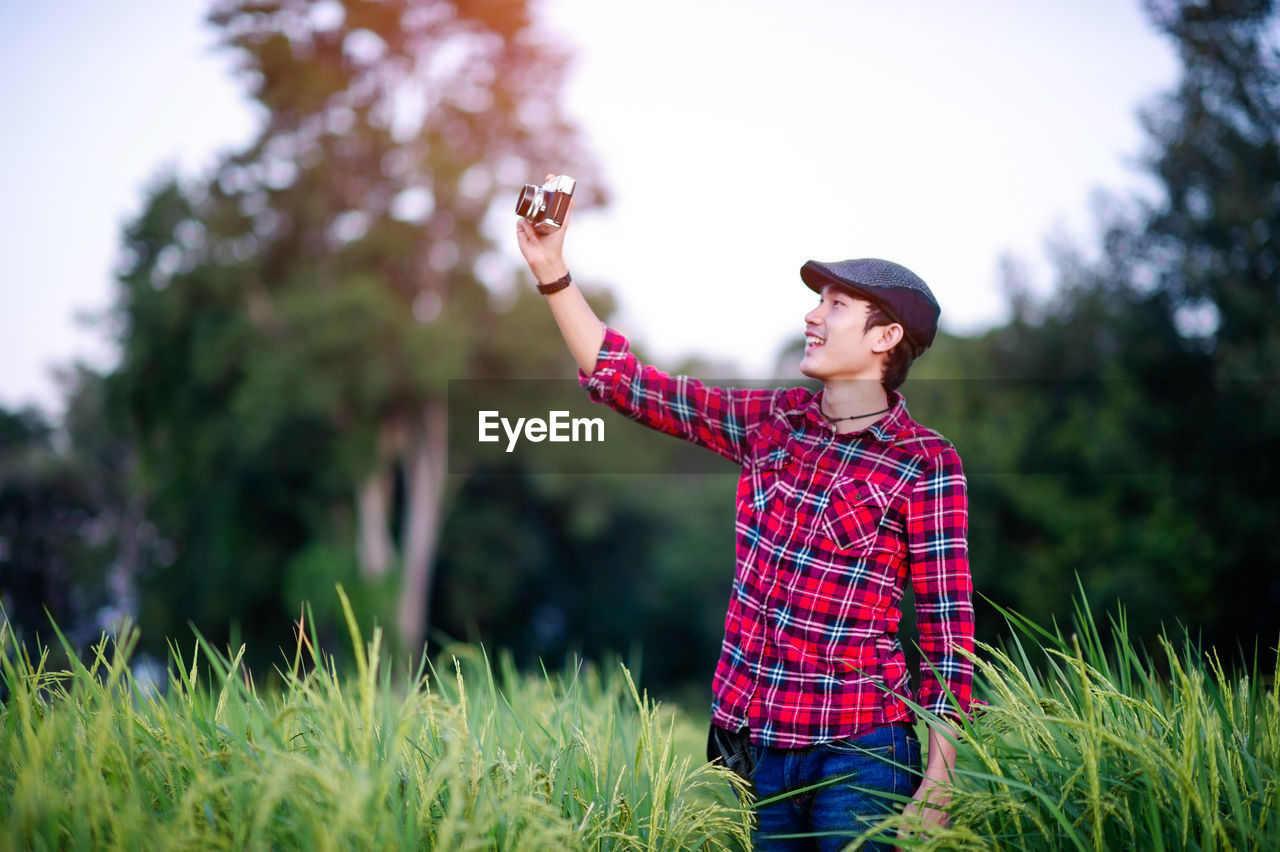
[531,204]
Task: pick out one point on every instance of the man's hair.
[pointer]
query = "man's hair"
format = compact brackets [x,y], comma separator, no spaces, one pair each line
[900,356]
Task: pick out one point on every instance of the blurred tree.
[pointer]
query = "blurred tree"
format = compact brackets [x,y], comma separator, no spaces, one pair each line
[289,327]
[72,536]
[1131,425]
[1208,266]
[128,544]
[548,564]
[636,555]
[44,519]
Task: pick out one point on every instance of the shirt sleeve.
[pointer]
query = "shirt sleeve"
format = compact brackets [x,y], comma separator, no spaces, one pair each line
[937,538]
[716,418]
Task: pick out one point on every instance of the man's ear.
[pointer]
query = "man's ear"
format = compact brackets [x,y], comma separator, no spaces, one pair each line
[887,337]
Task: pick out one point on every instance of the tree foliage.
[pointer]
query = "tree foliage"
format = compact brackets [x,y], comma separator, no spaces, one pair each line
[1128,430]
[288,327]
[73,533]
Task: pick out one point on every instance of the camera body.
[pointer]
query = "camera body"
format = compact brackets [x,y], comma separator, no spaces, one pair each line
[546,206]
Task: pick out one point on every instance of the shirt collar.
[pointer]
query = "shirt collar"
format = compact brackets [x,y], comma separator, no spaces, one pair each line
[886,429]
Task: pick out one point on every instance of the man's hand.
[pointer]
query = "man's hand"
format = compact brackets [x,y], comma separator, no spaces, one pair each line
[544,252]
[582,329]
[931,797]
[928,804]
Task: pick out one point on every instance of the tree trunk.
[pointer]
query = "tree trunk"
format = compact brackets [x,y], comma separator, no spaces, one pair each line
[425,459]
[374,547]
[373,505]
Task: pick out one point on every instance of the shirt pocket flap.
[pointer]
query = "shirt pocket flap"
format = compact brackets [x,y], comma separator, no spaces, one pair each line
[854,514]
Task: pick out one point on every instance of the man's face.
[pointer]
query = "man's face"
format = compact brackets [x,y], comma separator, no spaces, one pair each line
[836,344]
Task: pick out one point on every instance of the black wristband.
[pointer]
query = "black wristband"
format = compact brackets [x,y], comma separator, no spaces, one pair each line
[555,286]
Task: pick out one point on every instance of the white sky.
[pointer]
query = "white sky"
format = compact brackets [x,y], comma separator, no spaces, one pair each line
[738,139]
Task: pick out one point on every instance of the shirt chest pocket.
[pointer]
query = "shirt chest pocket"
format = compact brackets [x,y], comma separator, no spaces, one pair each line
[853,516]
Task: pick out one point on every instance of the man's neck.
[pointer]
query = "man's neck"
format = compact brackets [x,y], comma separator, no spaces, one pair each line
[862,401]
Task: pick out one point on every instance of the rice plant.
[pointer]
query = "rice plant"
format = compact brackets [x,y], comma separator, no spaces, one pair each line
[463,758]
[1080,748]
[1074,747]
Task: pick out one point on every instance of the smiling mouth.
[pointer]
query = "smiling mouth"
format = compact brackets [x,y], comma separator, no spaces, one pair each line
[812,342]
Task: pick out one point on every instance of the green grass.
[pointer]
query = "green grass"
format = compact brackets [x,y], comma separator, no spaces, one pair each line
[459,759]
[1076,747]
[1097,749]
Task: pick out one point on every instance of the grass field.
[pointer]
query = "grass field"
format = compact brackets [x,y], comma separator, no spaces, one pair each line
[1095,750]
[1074,748]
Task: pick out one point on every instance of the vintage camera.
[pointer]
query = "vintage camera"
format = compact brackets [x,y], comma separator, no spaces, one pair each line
[546,206]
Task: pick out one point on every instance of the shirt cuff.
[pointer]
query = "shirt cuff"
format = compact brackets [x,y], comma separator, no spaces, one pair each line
[935,698]
[612,355]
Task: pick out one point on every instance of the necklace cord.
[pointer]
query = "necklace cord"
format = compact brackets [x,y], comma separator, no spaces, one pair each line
[853,416]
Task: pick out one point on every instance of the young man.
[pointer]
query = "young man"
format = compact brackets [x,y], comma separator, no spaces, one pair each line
[843,500]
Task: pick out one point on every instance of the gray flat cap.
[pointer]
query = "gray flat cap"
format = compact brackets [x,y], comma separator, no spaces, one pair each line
[898,290]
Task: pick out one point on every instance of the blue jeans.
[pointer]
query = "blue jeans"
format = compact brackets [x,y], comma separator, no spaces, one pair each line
[883,761]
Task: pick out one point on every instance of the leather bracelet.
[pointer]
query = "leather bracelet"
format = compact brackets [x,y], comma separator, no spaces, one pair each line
[555,286]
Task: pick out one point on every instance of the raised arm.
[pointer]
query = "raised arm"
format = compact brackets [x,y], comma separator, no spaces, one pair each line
[716,418]
[582,330]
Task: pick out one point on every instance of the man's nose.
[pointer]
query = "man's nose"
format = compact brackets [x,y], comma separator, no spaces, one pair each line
[814,316]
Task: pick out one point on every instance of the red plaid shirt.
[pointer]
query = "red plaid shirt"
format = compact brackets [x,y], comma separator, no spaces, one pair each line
[830,528]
